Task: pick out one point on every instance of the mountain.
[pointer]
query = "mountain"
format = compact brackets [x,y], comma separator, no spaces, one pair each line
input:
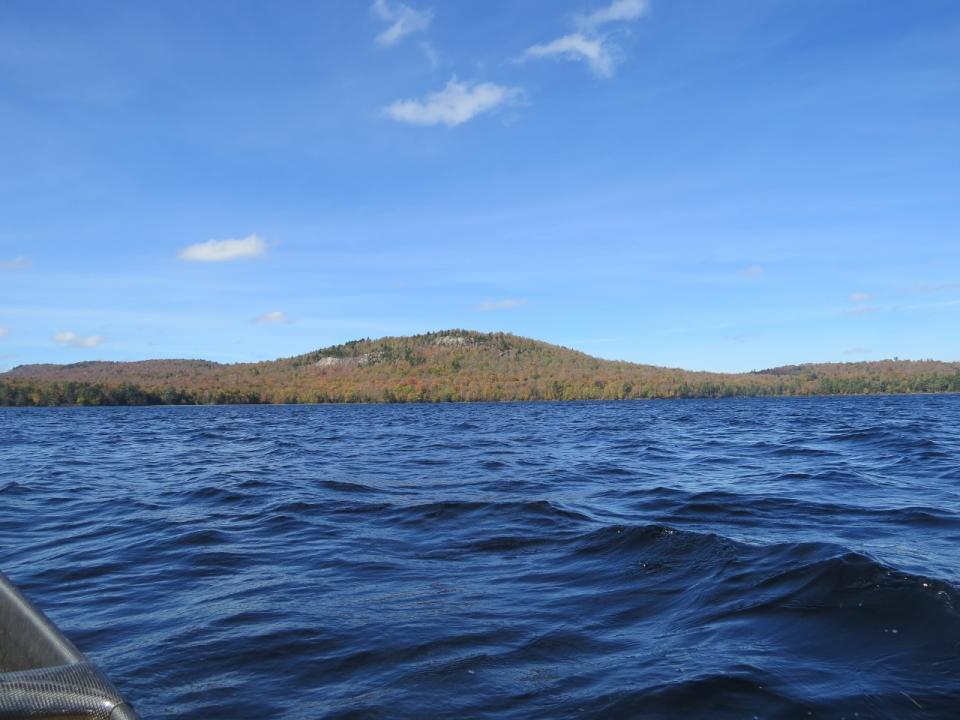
[452,365]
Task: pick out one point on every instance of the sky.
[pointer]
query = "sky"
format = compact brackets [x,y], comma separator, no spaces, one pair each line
[722,185]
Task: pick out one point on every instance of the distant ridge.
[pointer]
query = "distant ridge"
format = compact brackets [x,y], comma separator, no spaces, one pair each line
[445,366]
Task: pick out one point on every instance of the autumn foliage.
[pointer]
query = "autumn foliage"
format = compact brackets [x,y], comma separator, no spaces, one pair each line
[454,365]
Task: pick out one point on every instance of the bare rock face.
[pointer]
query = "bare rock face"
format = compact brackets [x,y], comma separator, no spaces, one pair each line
[450,340]
[370,358]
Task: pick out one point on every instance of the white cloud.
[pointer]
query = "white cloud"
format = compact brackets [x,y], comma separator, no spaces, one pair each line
[20,262]
[403,20]
[505,304]
[71,339]
[617,11]
[277,317]
[457,103]
[224,250]
[751,271]
[4,331]
[433,57]
[859,297]
[587,44]
[577,46]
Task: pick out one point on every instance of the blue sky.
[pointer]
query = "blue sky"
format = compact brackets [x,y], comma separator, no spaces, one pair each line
[712,185]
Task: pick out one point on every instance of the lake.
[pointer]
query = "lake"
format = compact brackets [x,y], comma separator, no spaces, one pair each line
[770,558]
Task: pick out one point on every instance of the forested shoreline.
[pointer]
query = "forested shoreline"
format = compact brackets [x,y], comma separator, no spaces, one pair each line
[449,366]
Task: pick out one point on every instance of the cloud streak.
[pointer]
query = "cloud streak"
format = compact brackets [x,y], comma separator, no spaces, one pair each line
[4,331]
[20,262]
[751,272]
[403,19]
[224,250]
[277,317]
[588,43]
[859,297]
[505,304]
[71,339]
[457,103]
[577,46]
[931,288]
[617,11]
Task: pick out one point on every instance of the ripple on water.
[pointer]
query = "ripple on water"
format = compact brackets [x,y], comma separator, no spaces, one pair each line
[723,559]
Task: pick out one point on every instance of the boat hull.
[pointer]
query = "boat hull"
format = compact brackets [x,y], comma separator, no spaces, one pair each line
[43,675]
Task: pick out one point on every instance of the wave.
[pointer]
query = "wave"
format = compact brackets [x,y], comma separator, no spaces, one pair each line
[775,558]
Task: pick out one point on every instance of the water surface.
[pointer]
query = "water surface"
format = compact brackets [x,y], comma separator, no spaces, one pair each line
[770,558]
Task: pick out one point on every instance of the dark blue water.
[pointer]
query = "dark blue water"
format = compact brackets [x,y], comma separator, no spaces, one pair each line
[789,558]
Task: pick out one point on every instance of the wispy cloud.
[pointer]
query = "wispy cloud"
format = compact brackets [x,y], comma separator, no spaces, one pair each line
[859,297]
[858,351]
[865,310]
[71,339]
[506,304]
[224,250]
[595,341]
[430,52]
[403,20]
[752,271]
[4,331]
[20,262]
[588,43]
[617,11]
[931,288]
[577,46]
[457,103]
[277,317]
[897,308]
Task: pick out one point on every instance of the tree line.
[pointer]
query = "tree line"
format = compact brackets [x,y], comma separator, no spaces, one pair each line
[452,366]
